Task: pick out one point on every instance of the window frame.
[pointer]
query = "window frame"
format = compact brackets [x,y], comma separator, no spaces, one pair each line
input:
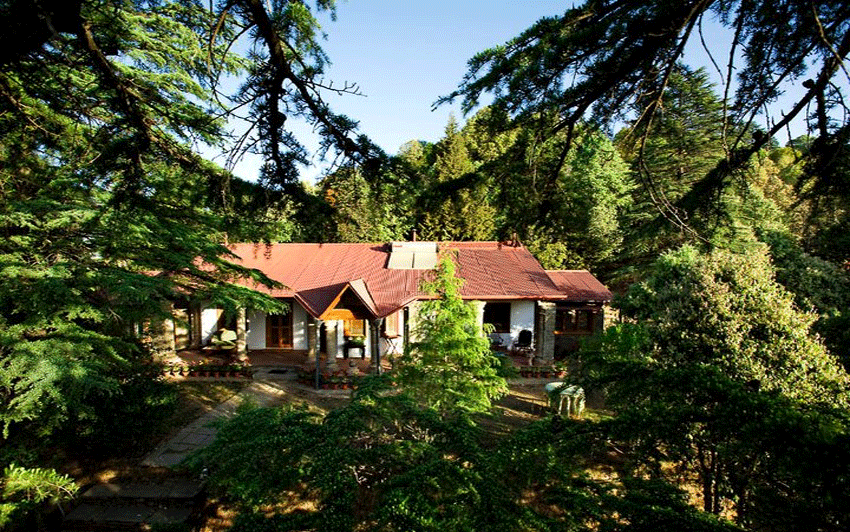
[352,327]
[504,319]
[570,325]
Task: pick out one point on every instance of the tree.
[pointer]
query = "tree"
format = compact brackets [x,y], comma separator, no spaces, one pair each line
[585,207]
[24,491]
[668,156]
[593,62]
[385,463]
[107,213]
[449,366]
[818,285]
[458,207]
[716,373]
[364,213]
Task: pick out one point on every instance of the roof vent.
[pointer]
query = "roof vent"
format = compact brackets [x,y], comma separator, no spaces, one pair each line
[413,256]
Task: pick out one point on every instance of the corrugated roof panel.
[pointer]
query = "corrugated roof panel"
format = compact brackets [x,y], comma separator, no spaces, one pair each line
[401,260]
[579,285]
[424,260]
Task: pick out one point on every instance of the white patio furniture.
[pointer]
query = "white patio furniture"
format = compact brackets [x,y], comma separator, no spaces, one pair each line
[559,392]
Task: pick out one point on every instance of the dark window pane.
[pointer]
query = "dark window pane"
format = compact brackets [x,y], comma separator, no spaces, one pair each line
[499,316]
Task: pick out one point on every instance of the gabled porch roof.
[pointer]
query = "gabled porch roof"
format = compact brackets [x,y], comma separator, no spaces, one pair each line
[342,301]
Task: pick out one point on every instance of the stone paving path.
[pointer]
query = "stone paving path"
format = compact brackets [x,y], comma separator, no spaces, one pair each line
[134,506]
[200,433]
[137,505]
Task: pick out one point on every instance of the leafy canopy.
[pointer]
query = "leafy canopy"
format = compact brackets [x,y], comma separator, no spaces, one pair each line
[720,375]
[607,62]
[108,215]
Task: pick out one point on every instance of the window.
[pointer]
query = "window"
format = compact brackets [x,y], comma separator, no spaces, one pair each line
[573,321]
[355,328]
[499,316]
[392,325]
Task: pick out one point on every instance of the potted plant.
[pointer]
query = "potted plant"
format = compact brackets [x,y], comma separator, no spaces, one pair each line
[560,370]
[357,341]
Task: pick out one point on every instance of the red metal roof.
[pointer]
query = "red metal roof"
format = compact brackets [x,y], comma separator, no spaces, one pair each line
[579,285]
[314,274]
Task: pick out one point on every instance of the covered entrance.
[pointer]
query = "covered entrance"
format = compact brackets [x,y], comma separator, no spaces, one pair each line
[279,330]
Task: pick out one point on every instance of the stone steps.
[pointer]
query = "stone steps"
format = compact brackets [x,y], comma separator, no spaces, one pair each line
[116,506]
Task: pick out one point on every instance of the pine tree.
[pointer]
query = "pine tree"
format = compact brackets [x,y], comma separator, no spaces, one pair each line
[596,60]
[459,207]
[449,366]
[107,214]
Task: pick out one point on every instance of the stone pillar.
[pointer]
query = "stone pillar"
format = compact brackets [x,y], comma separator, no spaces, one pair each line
[312,339]
[405,339]
[331,342]
[241,335]
[375,344]
[195,326]
[599,321]
[479,311]
[544,343]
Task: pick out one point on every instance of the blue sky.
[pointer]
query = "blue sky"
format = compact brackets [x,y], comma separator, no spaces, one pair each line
[405,54]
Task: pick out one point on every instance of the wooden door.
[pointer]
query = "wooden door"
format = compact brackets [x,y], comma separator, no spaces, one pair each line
[279,330]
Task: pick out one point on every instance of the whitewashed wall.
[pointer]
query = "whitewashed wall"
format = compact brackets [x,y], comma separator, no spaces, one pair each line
[209,324]
[340,340]
[299,327]
[257,328]
[394,346]
[256,334]
[522,317]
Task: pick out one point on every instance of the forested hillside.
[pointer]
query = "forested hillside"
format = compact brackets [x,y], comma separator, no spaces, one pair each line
[587,137]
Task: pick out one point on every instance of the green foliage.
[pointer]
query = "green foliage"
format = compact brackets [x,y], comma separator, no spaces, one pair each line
[605,62]
[726,310]
[458,208]
[385,463]
[25,491]
[125,421]
[107,214]
[818,285]
[360,212]
[449,365]
[718,376]
[581,214]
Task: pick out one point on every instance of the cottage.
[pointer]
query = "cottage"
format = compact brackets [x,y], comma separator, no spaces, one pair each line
[361,299]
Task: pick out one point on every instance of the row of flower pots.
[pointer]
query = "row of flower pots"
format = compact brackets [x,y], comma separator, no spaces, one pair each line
[331,381]
[209,370]
[541,372]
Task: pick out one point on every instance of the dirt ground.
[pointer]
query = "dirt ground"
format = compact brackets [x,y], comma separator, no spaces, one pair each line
[524,404]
